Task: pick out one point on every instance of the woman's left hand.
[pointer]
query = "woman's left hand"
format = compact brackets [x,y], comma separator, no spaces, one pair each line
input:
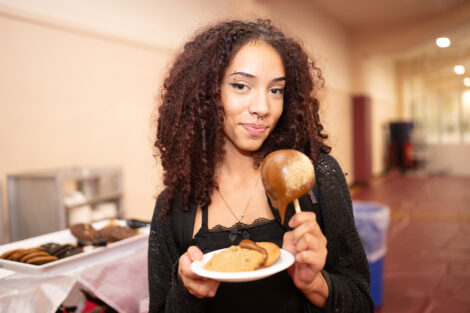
[308,244]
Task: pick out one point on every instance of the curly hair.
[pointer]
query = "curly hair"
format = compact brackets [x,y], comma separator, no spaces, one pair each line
[190,136]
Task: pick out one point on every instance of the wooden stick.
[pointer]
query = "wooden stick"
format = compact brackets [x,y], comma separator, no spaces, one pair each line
[297,206]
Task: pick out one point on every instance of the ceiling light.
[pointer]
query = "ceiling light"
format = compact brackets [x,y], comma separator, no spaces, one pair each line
[443,42]
[459,69]
[466,81]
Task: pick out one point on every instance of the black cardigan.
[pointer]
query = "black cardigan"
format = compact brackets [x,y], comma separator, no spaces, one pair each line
[346,270]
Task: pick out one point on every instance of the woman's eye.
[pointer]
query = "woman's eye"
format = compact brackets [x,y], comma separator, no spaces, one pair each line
[238,86]
[277,91]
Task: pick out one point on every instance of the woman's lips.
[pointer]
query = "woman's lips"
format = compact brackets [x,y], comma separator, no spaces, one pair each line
[254,129]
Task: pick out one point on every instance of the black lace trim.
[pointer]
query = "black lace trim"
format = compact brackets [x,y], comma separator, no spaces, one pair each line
[239,225]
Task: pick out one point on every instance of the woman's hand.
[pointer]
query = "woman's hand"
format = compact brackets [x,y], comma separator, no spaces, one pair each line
[308,244]
[198,286]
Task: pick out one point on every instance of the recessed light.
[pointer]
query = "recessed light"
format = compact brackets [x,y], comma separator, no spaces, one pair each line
[443,42]
[459,69]
[466,81]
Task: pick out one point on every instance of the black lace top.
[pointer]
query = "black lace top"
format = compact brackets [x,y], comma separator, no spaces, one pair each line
[346,270]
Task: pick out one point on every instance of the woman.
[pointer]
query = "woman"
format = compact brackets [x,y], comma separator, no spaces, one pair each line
[238,91]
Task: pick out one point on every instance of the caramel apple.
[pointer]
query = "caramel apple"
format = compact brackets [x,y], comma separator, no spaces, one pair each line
[287,175]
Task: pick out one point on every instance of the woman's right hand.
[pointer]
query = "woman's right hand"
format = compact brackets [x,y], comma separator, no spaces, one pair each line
[198,286]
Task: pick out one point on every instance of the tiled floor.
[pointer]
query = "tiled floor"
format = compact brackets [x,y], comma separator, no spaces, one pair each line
[427,265]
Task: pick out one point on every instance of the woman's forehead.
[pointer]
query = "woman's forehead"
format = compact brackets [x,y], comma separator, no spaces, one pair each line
[256,58]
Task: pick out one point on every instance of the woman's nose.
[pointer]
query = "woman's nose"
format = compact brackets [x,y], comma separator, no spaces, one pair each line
[259,105]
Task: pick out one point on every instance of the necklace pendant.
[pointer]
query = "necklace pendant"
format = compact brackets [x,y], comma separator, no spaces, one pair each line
[243,215]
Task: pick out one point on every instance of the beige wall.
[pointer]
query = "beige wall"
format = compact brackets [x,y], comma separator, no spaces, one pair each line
[381,86]
[78,88]
[69,99]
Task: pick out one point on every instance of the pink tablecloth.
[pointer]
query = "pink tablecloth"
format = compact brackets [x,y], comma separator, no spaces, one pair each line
[121,283]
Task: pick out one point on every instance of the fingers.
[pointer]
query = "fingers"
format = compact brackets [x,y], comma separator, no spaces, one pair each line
[311,242]
[204,289]
[306,240]
[184,267]
[308,221]
[313,258]
[194,253]
[196,285]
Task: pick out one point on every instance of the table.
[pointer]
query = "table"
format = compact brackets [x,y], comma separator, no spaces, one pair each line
[119,278]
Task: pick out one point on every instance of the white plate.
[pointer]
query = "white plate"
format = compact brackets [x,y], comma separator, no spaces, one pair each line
[285,260]
[64,237]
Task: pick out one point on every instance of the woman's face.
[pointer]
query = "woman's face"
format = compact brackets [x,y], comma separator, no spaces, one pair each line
[252,96]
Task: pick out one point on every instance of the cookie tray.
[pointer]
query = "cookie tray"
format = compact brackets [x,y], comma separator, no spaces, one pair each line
[64,237]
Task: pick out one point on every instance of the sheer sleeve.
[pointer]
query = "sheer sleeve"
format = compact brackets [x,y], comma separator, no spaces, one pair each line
[346,270]
[166,292]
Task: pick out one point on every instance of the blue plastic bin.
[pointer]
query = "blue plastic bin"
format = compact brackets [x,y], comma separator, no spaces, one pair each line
[372,220]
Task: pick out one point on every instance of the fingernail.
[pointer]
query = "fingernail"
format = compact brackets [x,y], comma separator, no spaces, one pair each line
[291,223]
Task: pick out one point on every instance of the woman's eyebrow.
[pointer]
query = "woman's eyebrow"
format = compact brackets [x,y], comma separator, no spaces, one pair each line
[252,76]
[242,74]
[279,79]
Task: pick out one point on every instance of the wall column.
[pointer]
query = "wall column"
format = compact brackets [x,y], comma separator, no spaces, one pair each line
[362,139]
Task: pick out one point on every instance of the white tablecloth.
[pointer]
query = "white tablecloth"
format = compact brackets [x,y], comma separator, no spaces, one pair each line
[118,278]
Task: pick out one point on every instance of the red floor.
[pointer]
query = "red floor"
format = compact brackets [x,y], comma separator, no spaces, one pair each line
[427,264]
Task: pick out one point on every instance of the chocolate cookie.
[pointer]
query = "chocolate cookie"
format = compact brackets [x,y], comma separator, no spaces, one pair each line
[50,247]
[106,231]
[70,252]
[116,232]
[61,251]
[122,232]
[85,232]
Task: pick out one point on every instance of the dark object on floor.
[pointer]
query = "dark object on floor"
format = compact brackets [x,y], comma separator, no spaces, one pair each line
[95,305]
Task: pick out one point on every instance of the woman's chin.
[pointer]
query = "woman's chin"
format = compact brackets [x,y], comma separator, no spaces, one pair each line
[252,145]
[245,144]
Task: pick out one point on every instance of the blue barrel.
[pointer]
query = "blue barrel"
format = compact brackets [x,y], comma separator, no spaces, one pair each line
[372,220]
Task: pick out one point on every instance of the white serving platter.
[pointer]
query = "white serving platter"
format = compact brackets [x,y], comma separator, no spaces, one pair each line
[64,237]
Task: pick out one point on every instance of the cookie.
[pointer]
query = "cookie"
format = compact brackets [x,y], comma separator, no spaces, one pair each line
[61,251]
[19,254]
[25,258]
[8,253]
[85,232]
[43,259]
[70,252]
[16,254]
[106,233]
[247,256]
[116,232]
[235,259]
[273,252]
[50,247]
[122,232]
